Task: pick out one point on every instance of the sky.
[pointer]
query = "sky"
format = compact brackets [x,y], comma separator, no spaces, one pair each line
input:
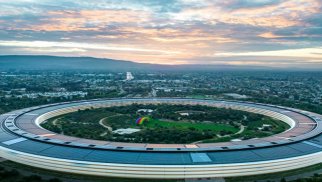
[274,33]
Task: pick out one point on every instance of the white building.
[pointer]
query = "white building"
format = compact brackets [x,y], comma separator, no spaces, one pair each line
[145,110]
[129,76]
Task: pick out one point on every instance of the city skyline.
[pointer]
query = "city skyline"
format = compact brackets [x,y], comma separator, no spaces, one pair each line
[270,33]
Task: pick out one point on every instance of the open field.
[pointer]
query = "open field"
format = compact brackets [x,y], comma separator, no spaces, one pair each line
[184,125]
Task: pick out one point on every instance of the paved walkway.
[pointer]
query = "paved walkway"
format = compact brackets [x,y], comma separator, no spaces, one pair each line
[242,129]
[101,122]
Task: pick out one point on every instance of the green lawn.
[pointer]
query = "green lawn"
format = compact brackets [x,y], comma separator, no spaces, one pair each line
[153,123]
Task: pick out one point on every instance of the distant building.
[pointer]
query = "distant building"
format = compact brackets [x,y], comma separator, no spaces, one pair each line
[164,89]
[125,131]
[129,76]
[145,110]
[184,113]
[188,113]
[53,94]
[236,96]
[265,127]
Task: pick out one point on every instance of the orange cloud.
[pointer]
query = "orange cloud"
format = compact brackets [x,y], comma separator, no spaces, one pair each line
[286,14]
[269,35]
[312,53]
[90,20]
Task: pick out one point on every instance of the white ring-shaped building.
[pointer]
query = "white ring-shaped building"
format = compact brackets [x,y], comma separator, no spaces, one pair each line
[23,140]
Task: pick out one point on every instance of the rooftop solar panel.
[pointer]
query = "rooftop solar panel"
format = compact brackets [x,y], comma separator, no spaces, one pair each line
[312,144]
[13,141]
[66,152]
[200,157]
[164,158]
[234,156]
[112,156]
[277,152]
[30,146]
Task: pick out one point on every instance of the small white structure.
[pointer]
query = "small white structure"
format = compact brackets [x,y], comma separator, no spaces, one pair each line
[236,140]
[188,113]
[265,127]
[236,96]
[124,131]
[145,110]
[184,114]
[129,76]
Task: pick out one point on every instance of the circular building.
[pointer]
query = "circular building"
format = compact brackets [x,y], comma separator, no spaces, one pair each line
[23,140]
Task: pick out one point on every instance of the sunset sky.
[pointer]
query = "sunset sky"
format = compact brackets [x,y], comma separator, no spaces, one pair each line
[276,33]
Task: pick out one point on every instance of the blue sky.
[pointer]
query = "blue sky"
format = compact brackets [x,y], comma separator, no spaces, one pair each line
[276,33]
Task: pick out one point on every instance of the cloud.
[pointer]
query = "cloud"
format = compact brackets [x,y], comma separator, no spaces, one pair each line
[277,14]
[269,35]
[312,53]
[166,31]
[76,45]
[86,20]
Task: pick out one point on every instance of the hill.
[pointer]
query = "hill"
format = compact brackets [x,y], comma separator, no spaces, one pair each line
[21,62]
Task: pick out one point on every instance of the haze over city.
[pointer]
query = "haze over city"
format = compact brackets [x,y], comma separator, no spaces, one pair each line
[271,33]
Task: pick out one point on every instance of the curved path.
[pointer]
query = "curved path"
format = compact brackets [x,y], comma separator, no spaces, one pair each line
[23,140]
[101,122]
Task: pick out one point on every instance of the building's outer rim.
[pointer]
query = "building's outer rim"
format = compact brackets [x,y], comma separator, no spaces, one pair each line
[161,171]
[252,107]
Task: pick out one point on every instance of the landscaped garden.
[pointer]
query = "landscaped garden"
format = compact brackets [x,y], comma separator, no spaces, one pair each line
[165,124]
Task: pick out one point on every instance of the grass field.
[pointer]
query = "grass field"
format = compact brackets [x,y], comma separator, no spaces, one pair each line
[152,123]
